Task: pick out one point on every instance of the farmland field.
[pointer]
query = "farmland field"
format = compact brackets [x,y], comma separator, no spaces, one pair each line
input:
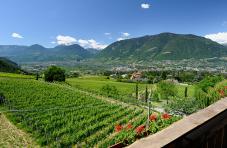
[126,90]
[95,83]
[58,116]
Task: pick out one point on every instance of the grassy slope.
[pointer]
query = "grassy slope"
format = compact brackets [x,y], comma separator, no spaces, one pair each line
[13,75]
[11,136]
[95,83]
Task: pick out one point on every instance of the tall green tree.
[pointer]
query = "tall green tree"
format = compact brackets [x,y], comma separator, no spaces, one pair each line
[167,90]
[54,73]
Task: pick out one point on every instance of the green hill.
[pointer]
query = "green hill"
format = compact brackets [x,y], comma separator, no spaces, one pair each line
[8,66]
[164,46]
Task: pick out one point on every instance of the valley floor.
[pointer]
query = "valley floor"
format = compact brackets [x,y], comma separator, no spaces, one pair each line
[11,136]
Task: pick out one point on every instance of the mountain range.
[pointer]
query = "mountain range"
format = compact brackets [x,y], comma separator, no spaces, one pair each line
[164,46]
[38,53]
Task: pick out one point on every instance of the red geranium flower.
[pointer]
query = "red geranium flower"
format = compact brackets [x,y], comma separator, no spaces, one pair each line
[166,116]
[153,117]
[140,129]
[129,126]
[222,93]
[118,128]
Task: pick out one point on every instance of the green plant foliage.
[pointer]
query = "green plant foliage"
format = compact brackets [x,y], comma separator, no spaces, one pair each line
[57,116]
[130,135]
[209,81]
[166,89]
[54,73]
[183,106]
[9,66]
[205,91]
[2,98]
[109,90]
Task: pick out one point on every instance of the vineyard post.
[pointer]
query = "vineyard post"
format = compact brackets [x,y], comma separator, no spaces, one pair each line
[186,92]
[146,94]
[137,94]
[148,112]
[37,75]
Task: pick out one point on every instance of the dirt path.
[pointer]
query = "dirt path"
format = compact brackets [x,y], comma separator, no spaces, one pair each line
[11,136]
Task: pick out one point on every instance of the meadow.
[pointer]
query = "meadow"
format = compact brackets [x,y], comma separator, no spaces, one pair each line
[126,90]
[13,75]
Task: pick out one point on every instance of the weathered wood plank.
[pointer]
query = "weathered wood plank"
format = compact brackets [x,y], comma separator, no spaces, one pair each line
[200,121]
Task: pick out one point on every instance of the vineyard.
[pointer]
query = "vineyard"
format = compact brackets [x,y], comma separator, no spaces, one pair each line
[57,116]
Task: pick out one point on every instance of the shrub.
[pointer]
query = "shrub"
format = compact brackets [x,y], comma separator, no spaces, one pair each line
[74,75]
[208,82]
[183,106]
[166,89]
[109,91]
[207,92]
[54,73]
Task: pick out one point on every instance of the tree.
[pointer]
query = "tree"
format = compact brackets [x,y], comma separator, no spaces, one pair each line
[109,91]
[166,89]
[54,73]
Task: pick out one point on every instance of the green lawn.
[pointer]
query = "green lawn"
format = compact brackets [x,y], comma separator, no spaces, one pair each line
[181,90]
[95,83]
[13,75]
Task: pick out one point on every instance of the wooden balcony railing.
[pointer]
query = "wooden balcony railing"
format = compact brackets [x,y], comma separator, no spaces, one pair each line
[205,129]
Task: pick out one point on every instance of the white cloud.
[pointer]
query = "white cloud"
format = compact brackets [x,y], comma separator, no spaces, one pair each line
[220,37]
[120,39]
[65,40]
[53,42]
[68,40]
[107,33]
[125,34]
[17,35]
[91,44]
[145,6]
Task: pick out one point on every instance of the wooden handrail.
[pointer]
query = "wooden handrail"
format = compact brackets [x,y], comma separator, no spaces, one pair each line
[207,126]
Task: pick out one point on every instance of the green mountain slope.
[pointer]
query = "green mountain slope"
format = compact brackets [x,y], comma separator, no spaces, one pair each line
[8,66]
[164,46]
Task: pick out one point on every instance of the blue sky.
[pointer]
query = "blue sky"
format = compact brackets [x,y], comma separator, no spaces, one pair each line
[97,23]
